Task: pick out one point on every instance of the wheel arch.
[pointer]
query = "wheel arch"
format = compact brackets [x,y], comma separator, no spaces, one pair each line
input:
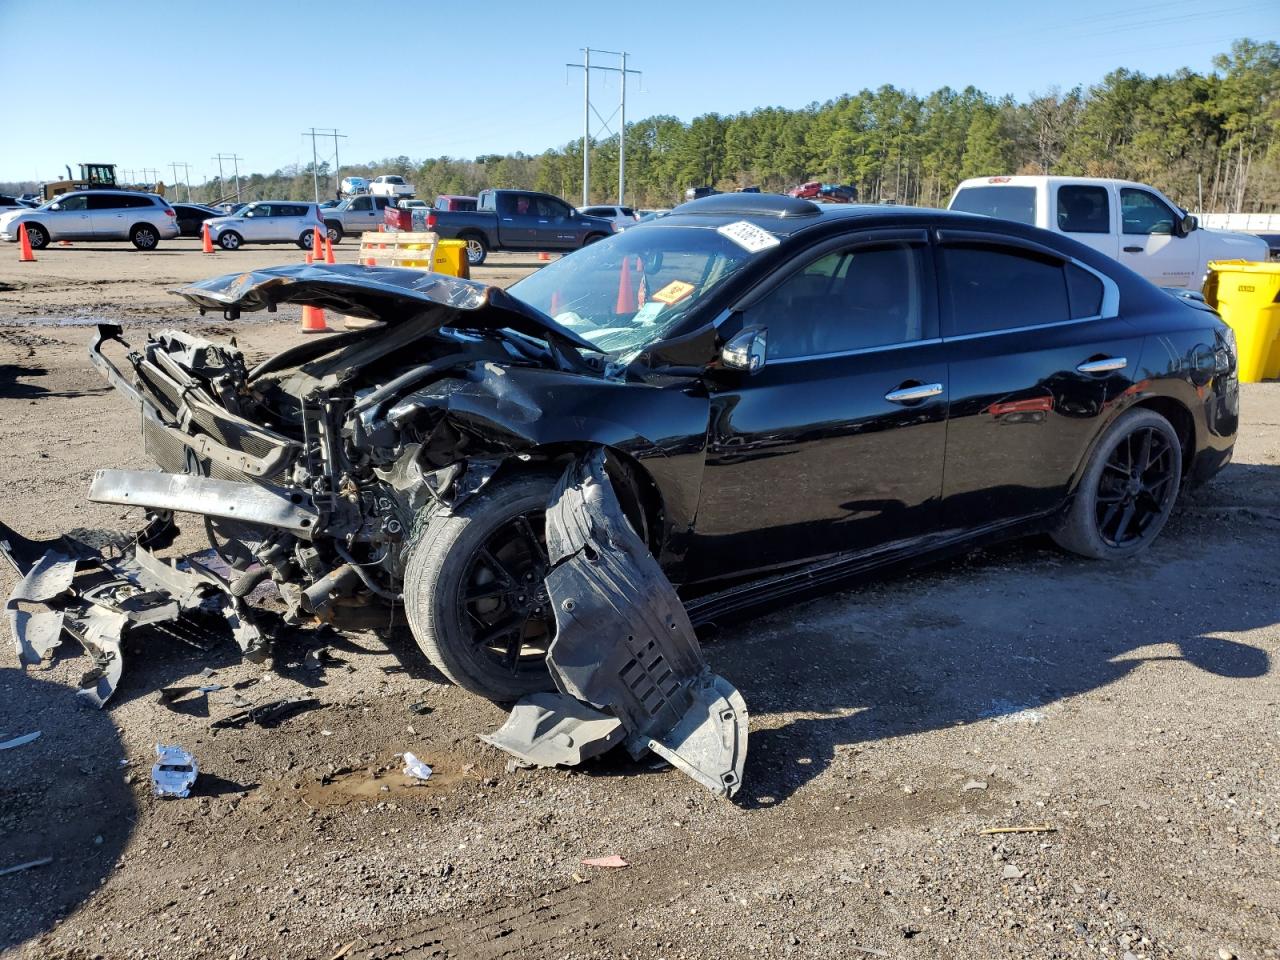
[635,486]
[1180,417]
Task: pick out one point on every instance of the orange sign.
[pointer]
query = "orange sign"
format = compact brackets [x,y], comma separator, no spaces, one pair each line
[673,292]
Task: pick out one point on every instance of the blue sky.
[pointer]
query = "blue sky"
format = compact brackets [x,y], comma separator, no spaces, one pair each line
[143,84]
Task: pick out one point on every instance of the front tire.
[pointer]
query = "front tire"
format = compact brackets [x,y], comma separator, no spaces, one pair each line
[230,240]
[37,236]
[1128,490]
[334,232]
[474,590]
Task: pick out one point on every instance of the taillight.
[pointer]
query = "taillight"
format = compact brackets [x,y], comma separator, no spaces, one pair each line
[169,212]
[431,221]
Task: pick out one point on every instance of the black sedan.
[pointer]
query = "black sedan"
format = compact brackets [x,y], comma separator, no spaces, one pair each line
[787,395]
[191,216]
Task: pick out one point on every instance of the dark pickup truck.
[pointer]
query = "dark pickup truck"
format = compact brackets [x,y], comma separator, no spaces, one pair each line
[519,220]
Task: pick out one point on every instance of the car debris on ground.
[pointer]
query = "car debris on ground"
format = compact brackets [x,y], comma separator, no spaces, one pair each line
[19,867]
[20,741]
[174,772]
[415,768]
[268,714]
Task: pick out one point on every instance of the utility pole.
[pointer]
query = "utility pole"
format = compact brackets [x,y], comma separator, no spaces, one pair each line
[315,157]
[236,160]
[587,109]
[186,175]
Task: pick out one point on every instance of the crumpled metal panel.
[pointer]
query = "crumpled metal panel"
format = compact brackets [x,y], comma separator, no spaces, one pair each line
[552,729]
[36,634]
[50,577]
[624,642]
[390,294]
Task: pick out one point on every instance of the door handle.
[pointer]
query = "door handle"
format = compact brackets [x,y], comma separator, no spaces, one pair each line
[1132,249]
[1105,365]
[920,391]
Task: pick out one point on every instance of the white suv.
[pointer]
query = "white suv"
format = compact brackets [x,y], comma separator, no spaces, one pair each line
[389,185]
[1130,222]
[268,221]
[144,219]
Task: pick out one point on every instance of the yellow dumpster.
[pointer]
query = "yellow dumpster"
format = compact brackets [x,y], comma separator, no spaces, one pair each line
[1247,294]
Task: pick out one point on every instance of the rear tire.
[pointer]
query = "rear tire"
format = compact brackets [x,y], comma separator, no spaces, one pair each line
[230,240]
[1128,490]
[477,249]
[306,239]
[144,236]
[457,601]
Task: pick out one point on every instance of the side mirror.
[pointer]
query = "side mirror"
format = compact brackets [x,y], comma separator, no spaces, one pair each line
[1189,224]
[747,350]
[55,206]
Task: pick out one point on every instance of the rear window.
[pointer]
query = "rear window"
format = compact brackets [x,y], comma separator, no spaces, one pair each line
[1007,203]
[1083,209]
[998,288]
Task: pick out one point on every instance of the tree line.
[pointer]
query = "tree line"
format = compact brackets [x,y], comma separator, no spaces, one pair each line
[1210,141]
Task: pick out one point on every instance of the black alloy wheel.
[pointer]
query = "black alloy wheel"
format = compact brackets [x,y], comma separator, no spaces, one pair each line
[503,597]
[1127,490]
[1136,487]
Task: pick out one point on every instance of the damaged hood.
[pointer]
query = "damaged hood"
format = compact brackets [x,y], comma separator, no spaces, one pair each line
[389,294]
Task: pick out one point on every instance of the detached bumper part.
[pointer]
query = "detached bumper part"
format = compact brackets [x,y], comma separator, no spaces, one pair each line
[69,587]
[624,645]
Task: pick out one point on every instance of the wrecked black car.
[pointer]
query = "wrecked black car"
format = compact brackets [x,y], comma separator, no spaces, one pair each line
[776,396]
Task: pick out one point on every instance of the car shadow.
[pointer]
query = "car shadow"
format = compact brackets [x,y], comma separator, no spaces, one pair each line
[1000,635]
[62,796]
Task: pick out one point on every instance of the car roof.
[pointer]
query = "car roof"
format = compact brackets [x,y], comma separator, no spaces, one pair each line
[786,216]
[1035,179]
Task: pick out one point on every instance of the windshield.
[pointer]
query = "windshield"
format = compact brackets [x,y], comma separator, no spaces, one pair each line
[1006,203]
[630,289]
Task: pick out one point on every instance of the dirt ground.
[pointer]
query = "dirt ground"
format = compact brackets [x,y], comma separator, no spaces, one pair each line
[1130,711]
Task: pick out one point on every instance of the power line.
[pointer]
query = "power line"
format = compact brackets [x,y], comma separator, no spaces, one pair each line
[315,160]
[186,177]
[221,181]
[586,67]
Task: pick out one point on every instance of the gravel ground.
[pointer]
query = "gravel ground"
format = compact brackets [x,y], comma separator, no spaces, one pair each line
[1132,711]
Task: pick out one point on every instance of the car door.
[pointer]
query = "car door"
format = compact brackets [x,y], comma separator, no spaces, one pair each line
[106,216]
[517,220]
[555,228]
[71,220]
[836,444]
[361,215]
[1036,354]
[1085,212]
[1152,243]
[252,222]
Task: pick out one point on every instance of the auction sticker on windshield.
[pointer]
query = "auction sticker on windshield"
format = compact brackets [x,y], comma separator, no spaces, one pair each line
[748,236]
[673,292]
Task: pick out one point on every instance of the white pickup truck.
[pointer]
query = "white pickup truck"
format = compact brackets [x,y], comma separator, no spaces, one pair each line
[1132,222]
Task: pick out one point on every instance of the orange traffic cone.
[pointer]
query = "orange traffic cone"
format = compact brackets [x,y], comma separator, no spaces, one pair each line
[310,258]
[317,244]
[544,257]
[313,320]
[626,295]
[207,241]
[26,256]
[328,251]
[64,243]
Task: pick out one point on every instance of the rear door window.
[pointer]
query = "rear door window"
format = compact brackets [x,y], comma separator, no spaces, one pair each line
[993,288]
[1006,203]
[1085,292]
[1083,209]
[105,201]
